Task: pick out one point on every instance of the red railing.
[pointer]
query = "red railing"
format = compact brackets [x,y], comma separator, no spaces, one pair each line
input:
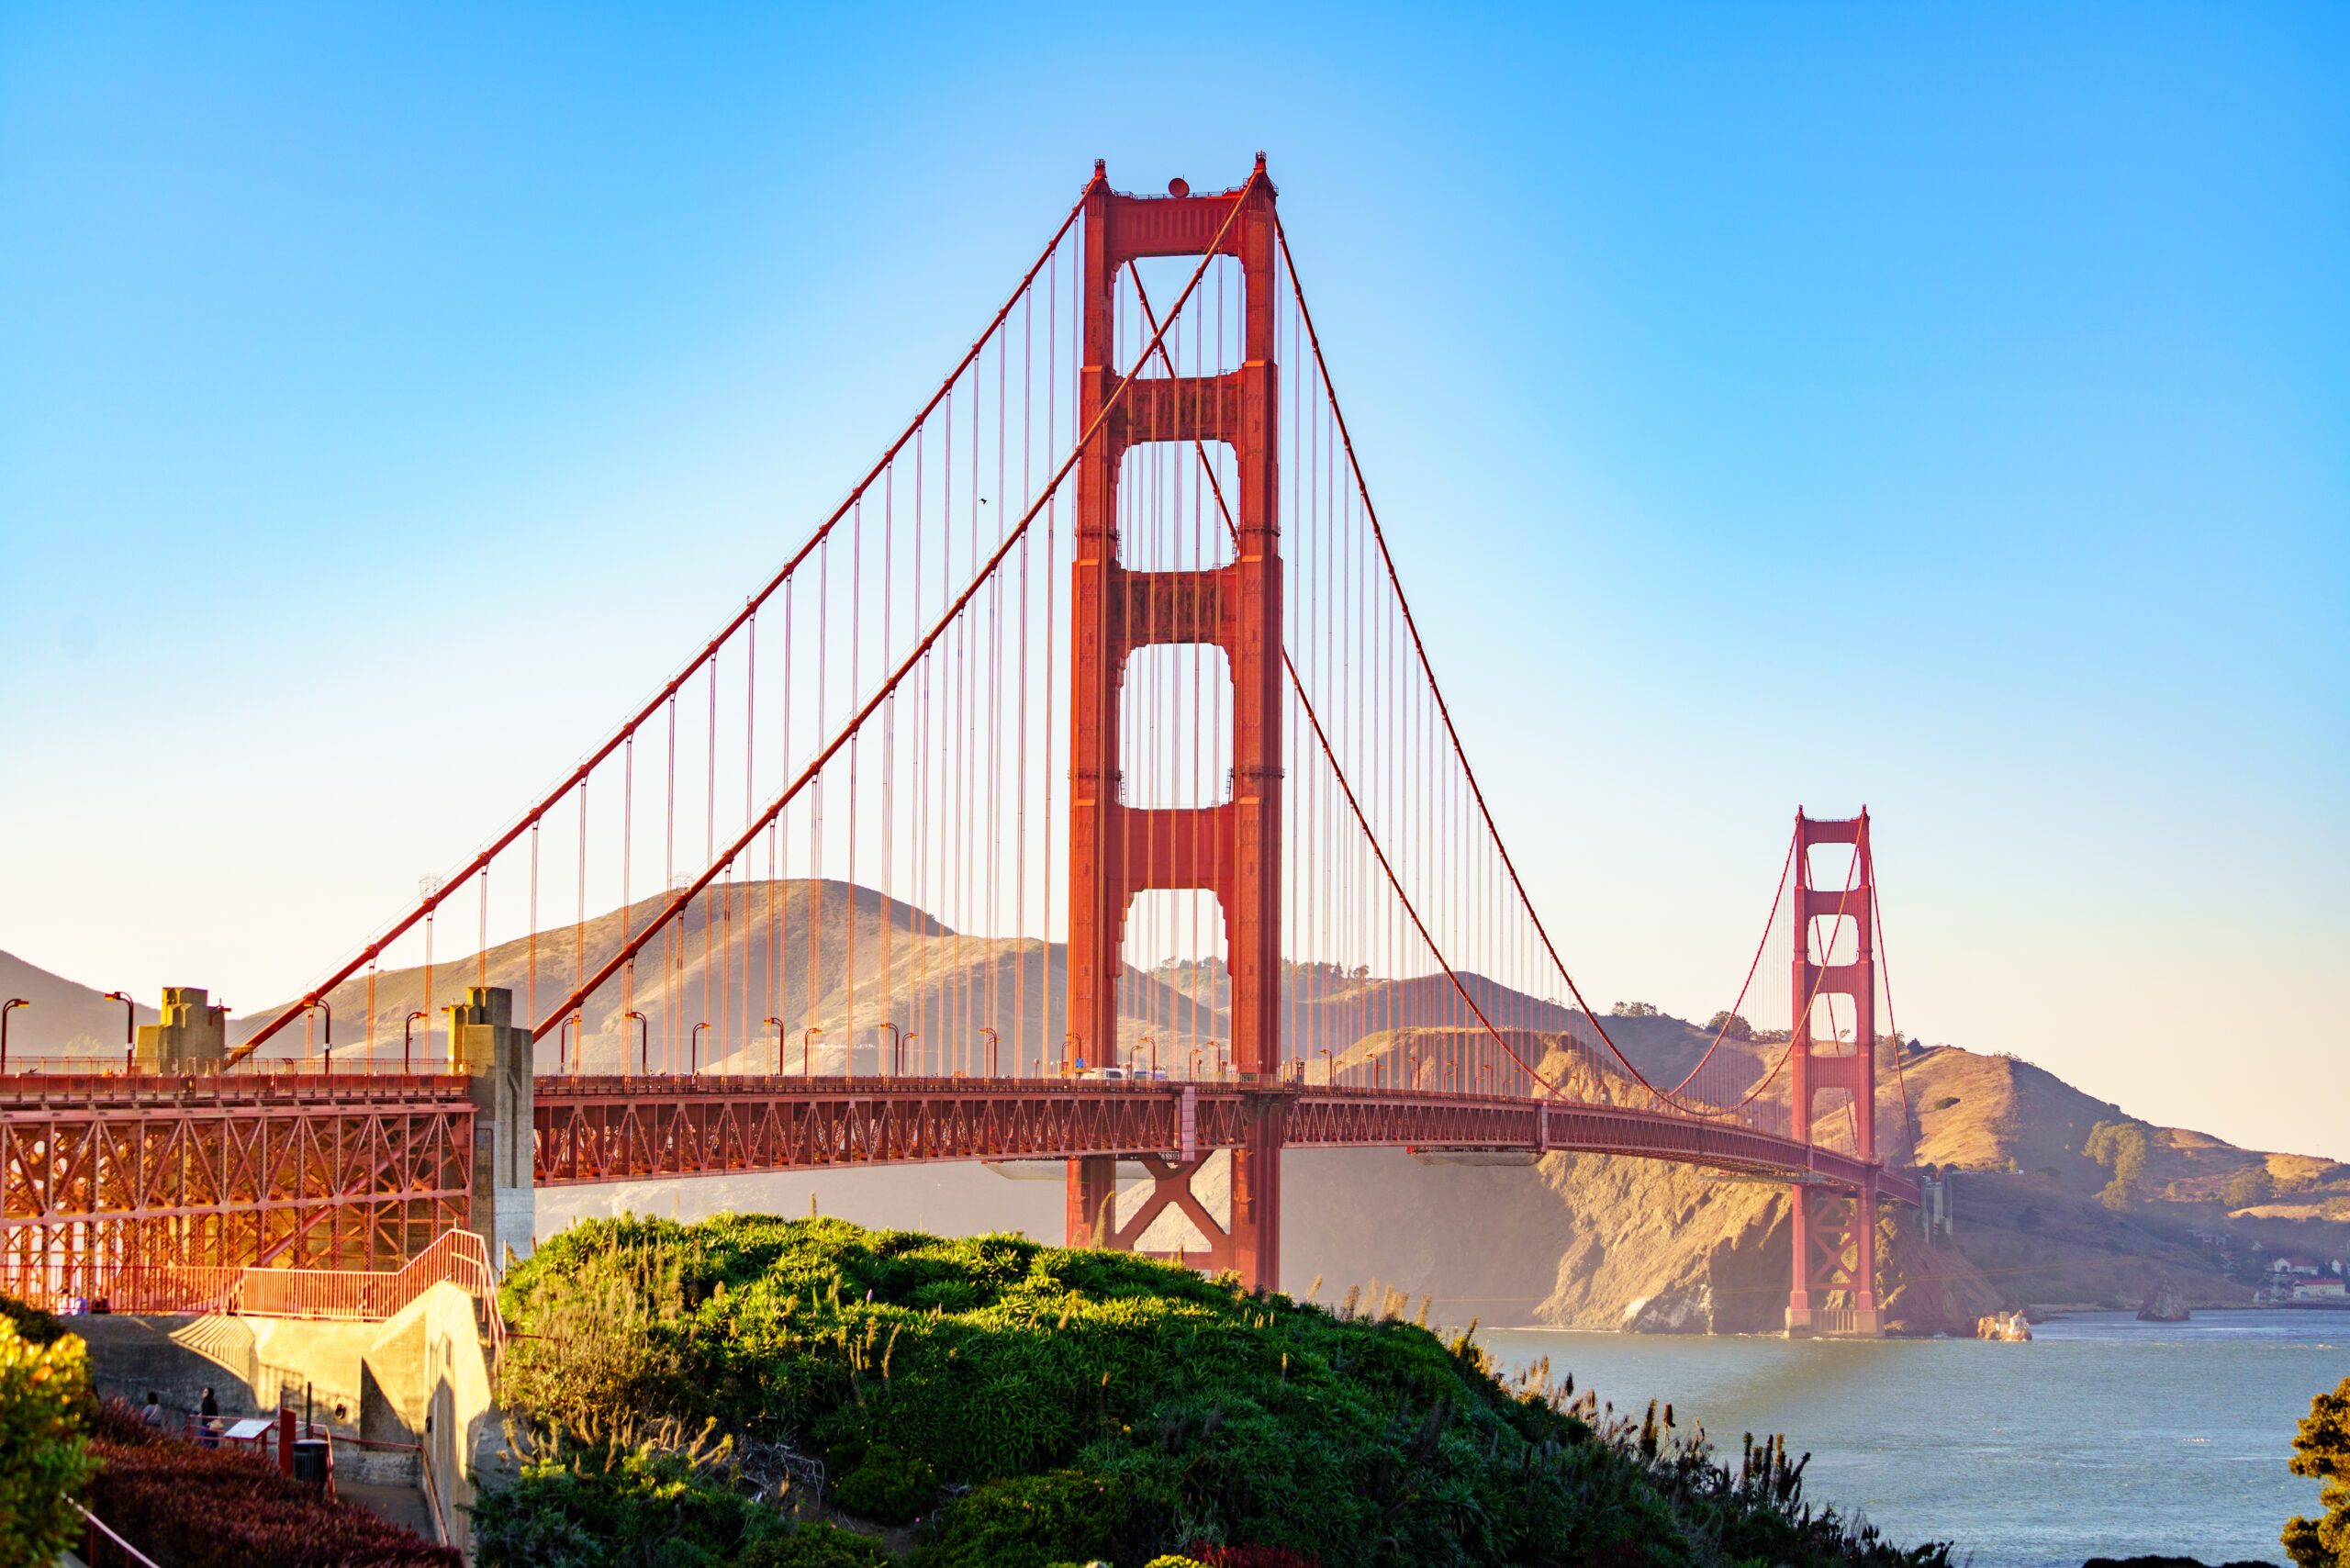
[385,1061]
[459,1258]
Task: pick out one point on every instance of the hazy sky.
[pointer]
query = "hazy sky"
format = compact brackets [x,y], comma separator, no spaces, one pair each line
[1947,410]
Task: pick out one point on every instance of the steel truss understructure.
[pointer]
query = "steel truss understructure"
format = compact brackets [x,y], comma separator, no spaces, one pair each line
[105,1173]
[101,1174]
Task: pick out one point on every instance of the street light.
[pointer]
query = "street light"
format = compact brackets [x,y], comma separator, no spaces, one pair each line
[644,1046]
[407,1039]
[993,1044]
[805,1036]
[1153,1044]
[896,1047]
[5,1008]
[911,1052]
[779,1043]
[693,1051]
[562,1035]
[129,1026]
[326,1041]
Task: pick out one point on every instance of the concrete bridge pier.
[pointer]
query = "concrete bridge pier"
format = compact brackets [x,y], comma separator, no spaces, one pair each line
[487,1046]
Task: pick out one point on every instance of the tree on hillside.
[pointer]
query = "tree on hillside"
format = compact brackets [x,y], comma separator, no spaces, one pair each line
[1634,1010]
[1730,1024]
[2250,1187]
[2122,1147]
[2322,1448]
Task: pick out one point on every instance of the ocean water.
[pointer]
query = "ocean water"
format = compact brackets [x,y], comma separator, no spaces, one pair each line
[2104,1437]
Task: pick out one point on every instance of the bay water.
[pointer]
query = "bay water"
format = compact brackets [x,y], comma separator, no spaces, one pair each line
[2104,1437]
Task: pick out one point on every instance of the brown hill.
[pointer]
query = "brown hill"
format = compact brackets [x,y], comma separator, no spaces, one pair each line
[66,1019]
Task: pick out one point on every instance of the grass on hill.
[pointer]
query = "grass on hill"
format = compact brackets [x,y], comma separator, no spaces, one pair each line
[1033,1405]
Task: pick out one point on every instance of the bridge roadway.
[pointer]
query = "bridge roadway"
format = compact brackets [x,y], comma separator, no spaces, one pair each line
[612,1128]
[349,1166]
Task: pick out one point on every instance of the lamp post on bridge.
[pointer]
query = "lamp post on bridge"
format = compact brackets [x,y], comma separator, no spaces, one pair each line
[915,1055]
[693,1051]
[326,1041]
[5,1008]
[807,1035]
[644,1046]
[779,1043]
[130,1026]
[992,1043]
[562,1033]
[897,1046]
[407,1040]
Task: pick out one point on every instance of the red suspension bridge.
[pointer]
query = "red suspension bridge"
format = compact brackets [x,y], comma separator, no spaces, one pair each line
[1080,789]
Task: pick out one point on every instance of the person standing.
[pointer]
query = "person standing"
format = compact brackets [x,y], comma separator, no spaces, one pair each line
[151,1418]
[208,1429]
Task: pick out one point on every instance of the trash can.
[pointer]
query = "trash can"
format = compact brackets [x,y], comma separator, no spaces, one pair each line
[310,1460]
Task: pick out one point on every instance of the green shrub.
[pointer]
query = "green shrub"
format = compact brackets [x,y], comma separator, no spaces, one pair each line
[42,1391]
[889,1485]
[2250,1187]
[33,1324]
[2322,1448]
[1102,1404]
[816,1546]
[615,1505]
[1029,1521]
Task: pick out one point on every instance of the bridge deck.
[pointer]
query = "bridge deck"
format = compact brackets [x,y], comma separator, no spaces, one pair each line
[620,1129]
[357,1165]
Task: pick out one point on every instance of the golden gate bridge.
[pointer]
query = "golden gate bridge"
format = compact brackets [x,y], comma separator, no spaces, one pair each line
[1080,789]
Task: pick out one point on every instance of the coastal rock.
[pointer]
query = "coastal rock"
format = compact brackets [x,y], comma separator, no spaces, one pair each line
[2164,1303]
[2011,1327]
[1674,1312]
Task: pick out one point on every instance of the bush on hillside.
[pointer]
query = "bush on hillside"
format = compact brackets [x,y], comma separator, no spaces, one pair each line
[43,1388]
[614,1503]
[33,1324]
[189,1506]
[1029,1521]
[2249,1188]
[1197,1415]
[889,1486]
[817,1546]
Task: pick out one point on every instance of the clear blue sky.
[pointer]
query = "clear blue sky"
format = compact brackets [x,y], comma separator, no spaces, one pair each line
[1944,409]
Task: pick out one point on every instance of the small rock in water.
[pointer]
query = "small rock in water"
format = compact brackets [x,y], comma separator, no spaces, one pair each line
[2164,1562]
[2008,1326]
[2164,1303]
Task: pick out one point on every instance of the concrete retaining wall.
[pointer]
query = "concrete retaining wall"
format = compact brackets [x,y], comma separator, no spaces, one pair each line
[421,1379]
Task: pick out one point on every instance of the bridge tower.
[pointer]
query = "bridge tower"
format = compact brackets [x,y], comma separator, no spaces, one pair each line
[1835,1232]
[1232,850]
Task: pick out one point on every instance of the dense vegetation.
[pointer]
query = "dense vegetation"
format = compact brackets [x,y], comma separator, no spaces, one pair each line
[2322,1448]
[44,1392]
[1032,1405]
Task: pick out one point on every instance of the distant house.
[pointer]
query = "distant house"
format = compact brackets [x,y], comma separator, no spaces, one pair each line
[2294,1263]
[2323,1287]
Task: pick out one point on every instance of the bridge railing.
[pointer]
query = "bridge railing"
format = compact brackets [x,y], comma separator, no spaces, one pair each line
[457,1257]
[354,1064]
